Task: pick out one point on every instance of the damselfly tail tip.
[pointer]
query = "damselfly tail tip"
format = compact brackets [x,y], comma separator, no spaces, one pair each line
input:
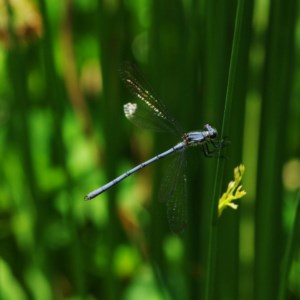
[87,198]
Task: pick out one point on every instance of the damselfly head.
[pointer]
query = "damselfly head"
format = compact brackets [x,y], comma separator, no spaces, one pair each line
[211,132]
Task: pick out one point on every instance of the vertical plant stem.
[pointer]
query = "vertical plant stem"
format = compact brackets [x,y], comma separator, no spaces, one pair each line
[228,241]
[289,251]
[109,37]
[232,77]
[276,93]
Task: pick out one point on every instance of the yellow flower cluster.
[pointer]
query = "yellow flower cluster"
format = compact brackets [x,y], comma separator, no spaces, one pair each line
[234,191]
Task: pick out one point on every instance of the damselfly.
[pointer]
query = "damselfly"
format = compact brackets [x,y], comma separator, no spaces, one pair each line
[151,113]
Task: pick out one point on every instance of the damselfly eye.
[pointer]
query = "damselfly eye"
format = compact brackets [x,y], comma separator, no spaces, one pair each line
[214,134]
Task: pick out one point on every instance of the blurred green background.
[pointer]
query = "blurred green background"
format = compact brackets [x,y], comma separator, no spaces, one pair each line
[234,64]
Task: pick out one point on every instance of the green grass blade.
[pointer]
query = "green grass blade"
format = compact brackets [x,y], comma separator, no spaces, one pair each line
[235,60]
[276,95]
[289,251]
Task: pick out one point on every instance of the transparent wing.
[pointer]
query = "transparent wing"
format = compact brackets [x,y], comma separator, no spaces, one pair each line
[149,112]
[173,192]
